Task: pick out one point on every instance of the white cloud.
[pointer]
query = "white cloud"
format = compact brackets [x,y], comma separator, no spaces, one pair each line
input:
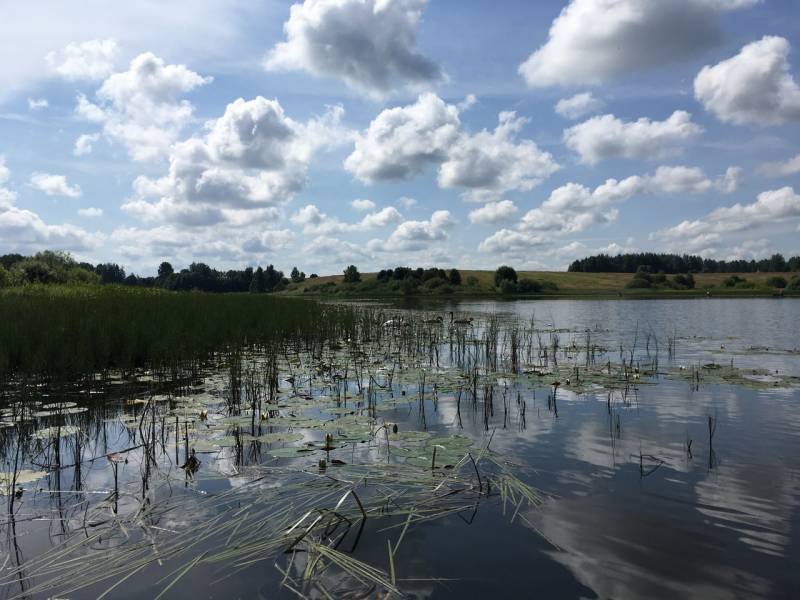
[141,108]
[269,242]
[785,168]
[755,86]
[84,143]
[315,222]
[673,180]
[400,142]
[573,207]
[592,41]
[578,105]
[771,208]
[202,33]
[326,251]
[54,185]
[7,197]
[90,212]
[37,103]
[92,60]
[25,232]
[368,44]
[607,136]
[362,205]
[416,235]
[251,161]
[729,182]
[407,202]
[488,164]
[493,212]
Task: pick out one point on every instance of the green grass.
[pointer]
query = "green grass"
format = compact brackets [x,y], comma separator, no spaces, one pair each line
[61,331]
[569,284]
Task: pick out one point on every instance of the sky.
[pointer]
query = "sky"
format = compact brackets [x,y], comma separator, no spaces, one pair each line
[382,133]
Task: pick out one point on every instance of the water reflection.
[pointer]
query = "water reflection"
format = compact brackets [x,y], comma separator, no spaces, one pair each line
[644,499]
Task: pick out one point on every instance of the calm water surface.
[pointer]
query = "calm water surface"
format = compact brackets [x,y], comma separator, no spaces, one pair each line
[641,501]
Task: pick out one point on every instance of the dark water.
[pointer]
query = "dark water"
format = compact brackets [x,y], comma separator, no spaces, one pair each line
[642,502]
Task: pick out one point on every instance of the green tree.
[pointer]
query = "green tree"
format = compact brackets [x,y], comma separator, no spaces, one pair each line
[165,270]
[454,277]
[297,276]
[258,283]
[504,273]
[351,274]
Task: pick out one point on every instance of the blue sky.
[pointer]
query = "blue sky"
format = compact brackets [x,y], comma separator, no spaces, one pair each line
[387,132]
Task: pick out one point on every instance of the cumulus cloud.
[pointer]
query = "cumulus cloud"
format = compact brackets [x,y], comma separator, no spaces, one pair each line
[37,103]
[488,164]
[407,202]
[784,168]
[250,161]
[592,41]
[606,136]
[578,105]
[402,141]
[771,208]
[493,212]
[755,86]
[315,222]
[24,231]
[90,60]
[90,212]
[84,143]
[141,108]
[416,235]
[326,250]
[573,207]
[54,185]
[368,44]
[362,205]
[269,242]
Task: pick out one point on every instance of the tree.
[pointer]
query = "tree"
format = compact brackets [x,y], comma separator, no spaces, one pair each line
[110,273]
[297,276]
[504,273]
[165,270]
[351,274]
[454,277]
[257,283]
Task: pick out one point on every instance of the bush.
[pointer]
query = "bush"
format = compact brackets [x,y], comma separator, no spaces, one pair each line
[504,273]
[639,283]
[507,286]
[776,282]
[794,284]
[684,281]
[529,286]
[454,277]
[472,281]
[351,274]
[733,281]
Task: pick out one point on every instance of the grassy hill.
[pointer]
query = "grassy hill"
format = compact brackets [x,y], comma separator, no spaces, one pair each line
[479,283]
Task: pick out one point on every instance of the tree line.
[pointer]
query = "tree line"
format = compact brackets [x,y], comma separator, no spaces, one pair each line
[681,263]
[50,267]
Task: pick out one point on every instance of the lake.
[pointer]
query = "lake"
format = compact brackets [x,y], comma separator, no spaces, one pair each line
[563,449]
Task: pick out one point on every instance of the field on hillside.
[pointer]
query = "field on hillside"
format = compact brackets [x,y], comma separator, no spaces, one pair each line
[577,283]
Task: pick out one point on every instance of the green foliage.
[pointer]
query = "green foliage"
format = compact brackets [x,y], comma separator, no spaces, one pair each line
[258,284]
[674,263]
[794,284]
[504,273]
[454,277]
[66,331]
[5,277]
[508,286]
[473,281]
[351,274]
[297,276]
[777,282]
[684,281]
[165,270]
